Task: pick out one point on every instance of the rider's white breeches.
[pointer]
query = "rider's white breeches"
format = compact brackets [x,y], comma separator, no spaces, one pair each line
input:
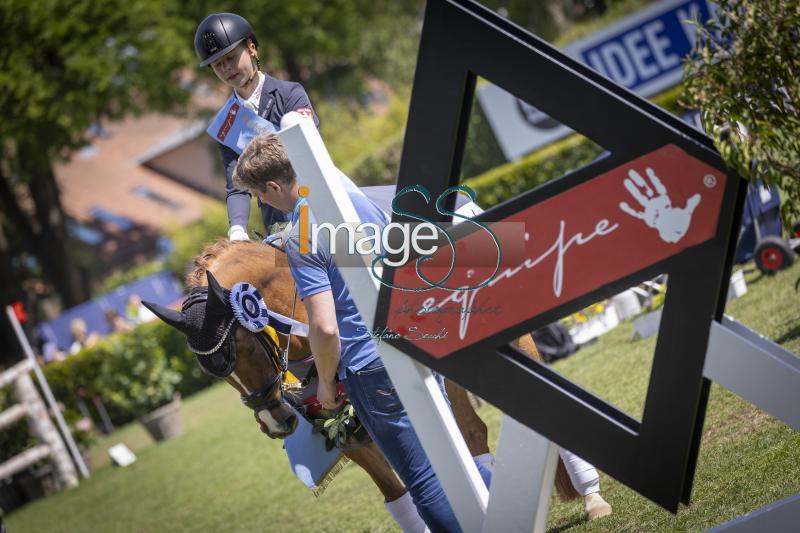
[583,475]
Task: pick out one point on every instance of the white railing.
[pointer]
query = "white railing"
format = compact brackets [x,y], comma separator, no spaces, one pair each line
[32,407]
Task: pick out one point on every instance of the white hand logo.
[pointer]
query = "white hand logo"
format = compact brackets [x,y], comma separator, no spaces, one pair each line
[672,223]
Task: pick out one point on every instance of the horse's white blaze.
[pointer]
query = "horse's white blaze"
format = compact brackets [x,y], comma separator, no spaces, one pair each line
[239,381]
[265,416]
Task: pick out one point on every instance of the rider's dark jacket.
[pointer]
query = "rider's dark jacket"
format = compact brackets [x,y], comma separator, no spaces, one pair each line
[278,97]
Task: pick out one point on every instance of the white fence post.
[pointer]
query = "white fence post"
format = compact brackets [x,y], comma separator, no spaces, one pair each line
[416,386]
[43,429]
[39,419]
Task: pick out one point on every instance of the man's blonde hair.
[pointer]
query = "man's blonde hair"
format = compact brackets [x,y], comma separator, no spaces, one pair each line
[263,160]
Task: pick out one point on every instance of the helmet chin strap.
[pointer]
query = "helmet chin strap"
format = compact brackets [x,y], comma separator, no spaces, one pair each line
[254,61]
[252,76]
[249,80]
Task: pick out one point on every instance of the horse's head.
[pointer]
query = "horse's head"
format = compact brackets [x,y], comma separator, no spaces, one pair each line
[252,362]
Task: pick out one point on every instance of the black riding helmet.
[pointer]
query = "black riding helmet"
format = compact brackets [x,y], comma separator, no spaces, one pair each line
[220,33]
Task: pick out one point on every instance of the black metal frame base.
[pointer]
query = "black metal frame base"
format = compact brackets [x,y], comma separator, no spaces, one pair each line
[656,457]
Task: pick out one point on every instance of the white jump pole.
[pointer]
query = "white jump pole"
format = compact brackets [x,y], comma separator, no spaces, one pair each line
[416,385]
[526,461]
[48,394]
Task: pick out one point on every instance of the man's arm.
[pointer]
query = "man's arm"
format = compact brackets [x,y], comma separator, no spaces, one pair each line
[323,336]
[311,278]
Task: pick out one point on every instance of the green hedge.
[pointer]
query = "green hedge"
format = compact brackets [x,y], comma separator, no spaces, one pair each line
[118,279]
[353,132]
[379,167]
[16,437]
[190,240]
[379,164]
[132,373]
[483,164]
[553,161]
[514,178]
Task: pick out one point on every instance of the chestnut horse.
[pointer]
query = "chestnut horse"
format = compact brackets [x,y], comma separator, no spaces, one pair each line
[266,269]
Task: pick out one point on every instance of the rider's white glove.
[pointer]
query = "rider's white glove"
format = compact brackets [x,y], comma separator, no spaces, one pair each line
[293,117]
[237,233]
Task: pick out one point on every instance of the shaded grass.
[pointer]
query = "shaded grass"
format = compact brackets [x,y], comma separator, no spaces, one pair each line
[223,474]
[747,458]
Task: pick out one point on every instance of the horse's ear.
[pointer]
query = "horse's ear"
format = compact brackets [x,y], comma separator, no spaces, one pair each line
[176,319]
[216,295]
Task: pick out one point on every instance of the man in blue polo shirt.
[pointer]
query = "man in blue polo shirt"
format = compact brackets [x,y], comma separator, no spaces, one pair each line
[339,338]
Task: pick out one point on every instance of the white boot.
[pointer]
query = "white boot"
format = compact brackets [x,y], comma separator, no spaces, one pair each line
[595,506]
[405,514]
[586,481]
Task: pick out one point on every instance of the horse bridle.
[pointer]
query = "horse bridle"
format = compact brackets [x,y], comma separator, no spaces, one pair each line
[261,398]
[280,358]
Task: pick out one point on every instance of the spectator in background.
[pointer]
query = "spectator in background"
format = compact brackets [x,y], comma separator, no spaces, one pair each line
[46,349]
[50,352]
[80,338]
[117,322]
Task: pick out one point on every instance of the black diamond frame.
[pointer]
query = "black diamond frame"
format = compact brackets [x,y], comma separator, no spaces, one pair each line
[656,457]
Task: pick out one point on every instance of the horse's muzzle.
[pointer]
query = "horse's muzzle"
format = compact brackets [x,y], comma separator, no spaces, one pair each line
[277,423]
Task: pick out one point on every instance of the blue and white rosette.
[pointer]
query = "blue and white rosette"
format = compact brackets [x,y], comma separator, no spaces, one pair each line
[252,312]
[249,307]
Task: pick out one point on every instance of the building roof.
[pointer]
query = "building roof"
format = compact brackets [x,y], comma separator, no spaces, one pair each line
[108,174]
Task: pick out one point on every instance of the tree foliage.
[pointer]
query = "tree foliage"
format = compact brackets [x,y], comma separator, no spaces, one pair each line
[68,65]
[329,45]
[548,18]
[744,76]
[64,67]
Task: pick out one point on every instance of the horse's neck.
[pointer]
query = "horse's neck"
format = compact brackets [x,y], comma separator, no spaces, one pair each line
[299,351]
[259,266]
[280,292]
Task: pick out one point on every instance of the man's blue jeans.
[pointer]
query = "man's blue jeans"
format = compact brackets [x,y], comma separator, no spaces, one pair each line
[372,394]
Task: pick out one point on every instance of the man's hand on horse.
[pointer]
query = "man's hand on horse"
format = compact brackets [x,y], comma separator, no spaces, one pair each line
[327,396]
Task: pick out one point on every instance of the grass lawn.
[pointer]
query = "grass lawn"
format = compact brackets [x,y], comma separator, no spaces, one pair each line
[224,475]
